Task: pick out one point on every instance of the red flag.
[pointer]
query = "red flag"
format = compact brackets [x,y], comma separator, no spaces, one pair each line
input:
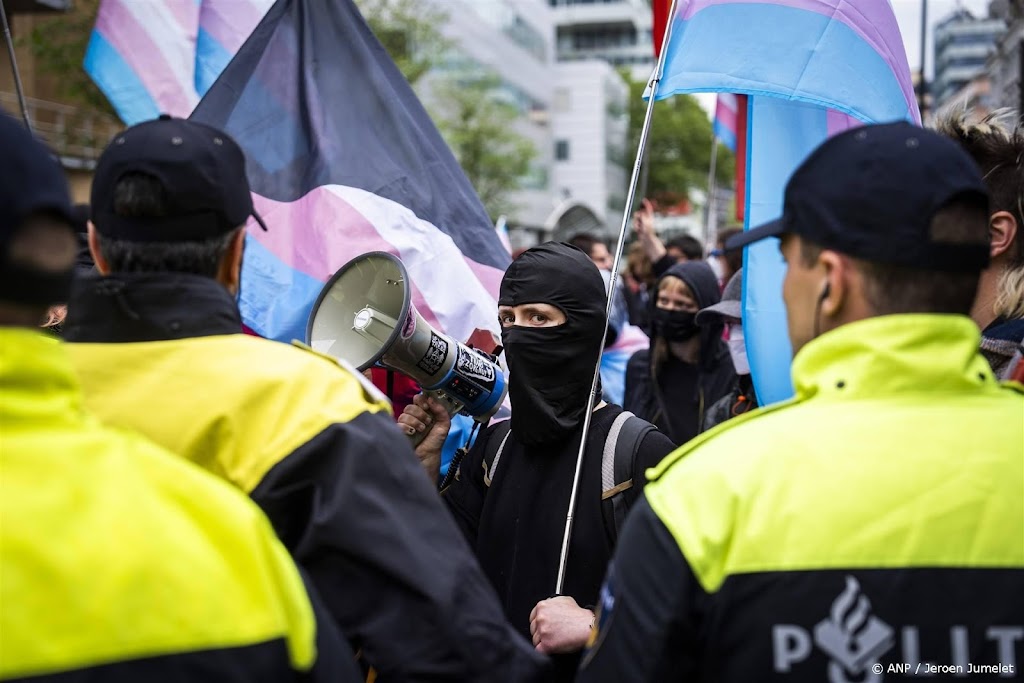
[661,9]
[741,156]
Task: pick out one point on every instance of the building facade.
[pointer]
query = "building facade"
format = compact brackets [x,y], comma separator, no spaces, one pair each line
[963,45]
[76,134]
[510,42]
[1006,65]
[591,123]
[573,112]
[614,31]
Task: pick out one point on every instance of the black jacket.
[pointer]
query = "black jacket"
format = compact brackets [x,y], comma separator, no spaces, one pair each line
[317,449]
[515,525]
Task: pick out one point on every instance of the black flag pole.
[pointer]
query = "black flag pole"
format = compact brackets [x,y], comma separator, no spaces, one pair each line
[617,256]
[14,65]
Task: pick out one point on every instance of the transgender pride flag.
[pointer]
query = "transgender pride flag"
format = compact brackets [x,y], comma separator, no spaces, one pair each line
[726,117]
[342,158]
[152,57]
[811,68]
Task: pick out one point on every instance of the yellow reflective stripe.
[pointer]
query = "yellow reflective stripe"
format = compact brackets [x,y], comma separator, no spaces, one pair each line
[914,480]
[113,550]
[668,461]
[234,404]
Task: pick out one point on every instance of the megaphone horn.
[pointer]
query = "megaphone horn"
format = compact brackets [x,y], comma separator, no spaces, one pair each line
[364,315]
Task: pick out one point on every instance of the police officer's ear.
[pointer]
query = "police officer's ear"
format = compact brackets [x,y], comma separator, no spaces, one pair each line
[834,286]
[102,265]
[229,272]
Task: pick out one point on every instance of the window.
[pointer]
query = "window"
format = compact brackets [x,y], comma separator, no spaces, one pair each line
[561,150]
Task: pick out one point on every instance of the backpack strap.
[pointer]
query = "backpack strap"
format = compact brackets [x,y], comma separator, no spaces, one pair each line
[494,449]
[618,461]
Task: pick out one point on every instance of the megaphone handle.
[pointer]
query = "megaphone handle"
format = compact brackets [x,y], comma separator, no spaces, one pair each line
[444,399]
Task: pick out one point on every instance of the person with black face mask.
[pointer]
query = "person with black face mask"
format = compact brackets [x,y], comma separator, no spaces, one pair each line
[552,313]
[687,368]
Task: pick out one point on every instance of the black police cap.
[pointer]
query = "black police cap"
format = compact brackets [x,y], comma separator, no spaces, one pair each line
[201,169]
[31,182]
[871,193]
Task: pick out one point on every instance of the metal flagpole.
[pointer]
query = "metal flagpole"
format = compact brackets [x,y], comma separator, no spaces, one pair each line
[922,85]
[631,197]
[709,222]
[14,65]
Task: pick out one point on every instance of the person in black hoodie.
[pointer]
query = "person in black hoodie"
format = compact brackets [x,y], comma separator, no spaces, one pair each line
[687,367]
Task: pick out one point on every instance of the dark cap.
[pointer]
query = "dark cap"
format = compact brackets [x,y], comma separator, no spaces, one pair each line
[31,182]
[871,193]
[729,306]
[201,169]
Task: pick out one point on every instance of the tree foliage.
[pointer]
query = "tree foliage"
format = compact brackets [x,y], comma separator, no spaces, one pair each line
[58,45]
[410,31]
[479,128]
[678,145]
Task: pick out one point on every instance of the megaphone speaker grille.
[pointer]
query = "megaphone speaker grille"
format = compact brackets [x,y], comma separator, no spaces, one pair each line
[361,310]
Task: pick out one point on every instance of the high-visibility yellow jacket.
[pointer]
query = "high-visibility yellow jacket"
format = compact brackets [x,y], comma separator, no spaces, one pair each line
[316,447]
[873,522]
[119,561]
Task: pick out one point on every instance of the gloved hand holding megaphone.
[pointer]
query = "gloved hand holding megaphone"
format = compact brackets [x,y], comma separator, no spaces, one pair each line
[365,317]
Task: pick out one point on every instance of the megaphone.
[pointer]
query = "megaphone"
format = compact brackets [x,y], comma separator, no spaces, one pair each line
[364,316]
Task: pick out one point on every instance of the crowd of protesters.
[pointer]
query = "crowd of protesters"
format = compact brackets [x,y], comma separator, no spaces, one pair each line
[185,501]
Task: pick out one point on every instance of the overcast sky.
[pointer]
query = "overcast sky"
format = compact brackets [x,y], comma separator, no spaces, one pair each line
[908,14]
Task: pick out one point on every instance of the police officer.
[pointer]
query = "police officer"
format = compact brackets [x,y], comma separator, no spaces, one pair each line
[875,520]
[119,562]
[159,344]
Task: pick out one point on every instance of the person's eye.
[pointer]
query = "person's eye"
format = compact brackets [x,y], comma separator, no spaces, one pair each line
[539,318]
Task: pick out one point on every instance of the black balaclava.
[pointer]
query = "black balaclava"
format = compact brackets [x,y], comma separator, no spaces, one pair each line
[551,368]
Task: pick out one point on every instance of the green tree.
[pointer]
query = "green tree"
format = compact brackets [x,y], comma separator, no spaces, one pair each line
[58,45]
[409,31]
[678,145]
[478,127]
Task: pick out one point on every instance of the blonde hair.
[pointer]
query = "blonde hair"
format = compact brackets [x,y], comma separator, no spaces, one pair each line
[996,143]
[55,316]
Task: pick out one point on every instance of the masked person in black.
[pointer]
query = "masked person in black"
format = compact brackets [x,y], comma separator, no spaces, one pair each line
[687,368]
[511,494]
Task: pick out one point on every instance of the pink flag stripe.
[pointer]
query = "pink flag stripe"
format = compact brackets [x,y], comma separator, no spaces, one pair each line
[231,23]
[359,238]
[185,14]
[836,122]
[163,78]
[340,223]
[726,114]
[176,47]
[872,20]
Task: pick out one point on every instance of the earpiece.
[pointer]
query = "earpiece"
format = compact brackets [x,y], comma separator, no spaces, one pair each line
[825,291]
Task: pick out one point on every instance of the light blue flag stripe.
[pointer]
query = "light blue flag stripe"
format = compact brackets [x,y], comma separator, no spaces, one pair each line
[122,86]
[211,58]
[781,134]
[275,299]
[725,136]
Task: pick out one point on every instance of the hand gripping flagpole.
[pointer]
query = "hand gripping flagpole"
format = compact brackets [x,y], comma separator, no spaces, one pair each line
[631,197]
[14,65]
